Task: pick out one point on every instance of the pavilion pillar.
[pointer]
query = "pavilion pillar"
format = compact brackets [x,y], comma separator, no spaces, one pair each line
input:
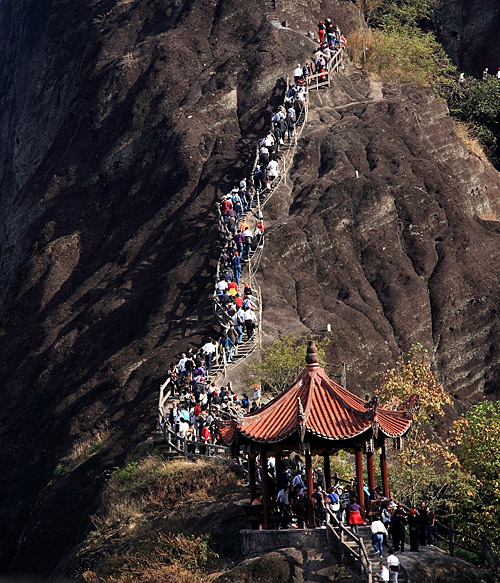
[371,471]
[359,481]
[310,489]
[266,499]
[326,470]
[383,471]
[252,484]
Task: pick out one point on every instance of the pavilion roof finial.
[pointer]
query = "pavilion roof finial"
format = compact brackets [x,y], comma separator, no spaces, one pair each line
[312,357]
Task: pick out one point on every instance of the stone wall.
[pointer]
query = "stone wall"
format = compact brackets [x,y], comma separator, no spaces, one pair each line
[257,542]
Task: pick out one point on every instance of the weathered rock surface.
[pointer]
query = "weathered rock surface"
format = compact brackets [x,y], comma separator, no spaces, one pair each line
[470,30]
[433,566]
[121,121]
[289,565]
[407,252]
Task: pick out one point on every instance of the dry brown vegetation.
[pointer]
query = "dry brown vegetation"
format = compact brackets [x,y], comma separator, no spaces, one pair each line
[465,132]
[155,484]
[145,529]
[86,445]
[400,56]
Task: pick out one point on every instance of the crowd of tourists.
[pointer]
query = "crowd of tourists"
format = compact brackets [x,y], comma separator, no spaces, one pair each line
[200,404]
[387,519]
[242,229]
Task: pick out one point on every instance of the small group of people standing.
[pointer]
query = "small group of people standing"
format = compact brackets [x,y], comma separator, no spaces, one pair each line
[331,41]
[486,74]
[421,525]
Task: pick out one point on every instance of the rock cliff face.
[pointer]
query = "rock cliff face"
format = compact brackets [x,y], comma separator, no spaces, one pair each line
[404,253]
[121,120]
[470,30]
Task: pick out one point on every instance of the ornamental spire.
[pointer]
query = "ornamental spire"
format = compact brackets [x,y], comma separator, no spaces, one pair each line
[312,357]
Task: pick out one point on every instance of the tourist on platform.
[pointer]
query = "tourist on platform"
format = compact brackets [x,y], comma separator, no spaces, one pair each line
[355,517]
[398,530]
[414,528]
[422,520]
[318,498]
[430,521]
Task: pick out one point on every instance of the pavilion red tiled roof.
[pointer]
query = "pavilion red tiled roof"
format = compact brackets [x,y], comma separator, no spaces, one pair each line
[318,405]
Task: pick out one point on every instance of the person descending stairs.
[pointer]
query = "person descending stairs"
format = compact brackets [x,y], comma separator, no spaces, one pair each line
[365,533]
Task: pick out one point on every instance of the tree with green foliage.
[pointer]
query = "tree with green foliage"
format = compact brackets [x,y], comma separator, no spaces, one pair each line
[479,105]
[425,468]
[475,439]
[407,13]
[282,361]
[398,48]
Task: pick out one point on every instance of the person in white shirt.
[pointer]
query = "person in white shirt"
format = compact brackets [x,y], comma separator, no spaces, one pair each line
[256,394]
[384,573]
[297,73]
[222,286]
[378,530]
[247,233]
[250,322]
[393,566]
[181,365]
[183,427]
[209,350]
[273,169]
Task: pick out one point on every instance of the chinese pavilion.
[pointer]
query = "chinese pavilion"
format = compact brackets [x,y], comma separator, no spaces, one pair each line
[317,416]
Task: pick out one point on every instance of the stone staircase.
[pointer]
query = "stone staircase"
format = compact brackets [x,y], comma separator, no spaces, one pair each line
[271,10]
[244,349]
[366,535]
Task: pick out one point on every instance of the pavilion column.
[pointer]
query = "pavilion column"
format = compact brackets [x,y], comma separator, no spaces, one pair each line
[326,470]
[359,481]
[310,490]
[383,471]
[371,471]
[252,484]
[266,499]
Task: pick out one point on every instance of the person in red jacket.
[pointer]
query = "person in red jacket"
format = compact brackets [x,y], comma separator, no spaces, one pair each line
[206,437]
[321,31]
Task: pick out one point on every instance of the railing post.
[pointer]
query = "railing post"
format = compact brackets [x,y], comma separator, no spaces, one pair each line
[452,539]
[484,547]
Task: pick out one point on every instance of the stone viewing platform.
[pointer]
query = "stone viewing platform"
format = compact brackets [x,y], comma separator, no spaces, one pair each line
[258,542]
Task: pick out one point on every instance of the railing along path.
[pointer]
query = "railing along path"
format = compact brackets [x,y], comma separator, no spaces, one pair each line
[221,362]
[346,543]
